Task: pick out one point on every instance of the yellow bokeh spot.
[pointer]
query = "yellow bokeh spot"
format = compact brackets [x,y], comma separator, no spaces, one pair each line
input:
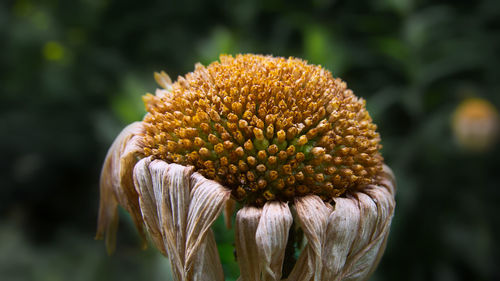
[476,124]
[53,51]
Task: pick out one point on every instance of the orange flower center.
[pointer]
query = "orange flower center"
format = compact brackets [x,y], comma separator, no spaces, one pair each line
[268,128]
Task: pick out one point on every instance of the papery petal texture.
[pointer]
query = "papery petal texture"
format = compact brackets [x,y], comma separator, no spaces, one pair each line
[207,200]
[247,221]
[271,238]
[208,267]
[149,200]
[261,238]
[340,233]
[185,205]
[116,184]
[312,214]
[346,241]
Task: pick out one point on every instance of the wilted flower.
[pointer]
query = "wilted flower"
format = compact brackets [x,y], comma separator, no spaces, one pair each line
[475,124]
[287,141]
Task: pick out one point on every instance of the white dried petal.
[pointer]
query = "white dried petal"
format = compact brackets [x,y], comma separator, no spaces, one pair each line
[208,267]
[207,200]
[185,205]
[303,268]
[385,207]
[388,173]
[271,238]
[312,214]
[368,220]
[388,179]
[149,199]
[247,221]
[379,255]
[352,236]
[376,202]
[116,184]
[365,246]
[341,231]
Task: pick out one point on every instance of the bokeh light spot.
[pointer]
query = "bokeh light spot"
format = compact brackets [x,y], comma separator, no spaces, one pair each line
[53,51]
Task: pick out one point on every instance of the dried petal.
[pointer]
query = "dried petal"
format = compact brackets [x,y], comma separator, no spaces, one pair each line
[169,182]
[376,208]
[207,267]
[385,209]
[313,214]
[186,205]
[271,238]
[340,233]
[365,245]
[353,237]
[303,268]
[116,184]
[388,179]
[149,201]
[247,221]
[207,200]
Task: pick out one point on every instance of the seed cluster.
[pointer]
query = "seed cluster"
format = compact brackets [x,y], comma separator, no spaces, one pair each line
[268,128]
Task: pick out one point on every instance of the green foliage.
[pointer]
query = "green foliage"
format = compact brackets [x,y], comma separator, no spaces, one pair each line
[72,74]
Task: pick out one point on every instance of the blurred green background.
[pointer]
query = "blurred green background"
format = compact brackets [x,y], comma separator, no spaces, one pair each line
[72,74]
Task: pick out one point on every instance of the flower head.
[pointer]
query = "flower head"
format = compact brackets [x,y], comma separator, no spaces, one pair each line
[267,128]
[278,135]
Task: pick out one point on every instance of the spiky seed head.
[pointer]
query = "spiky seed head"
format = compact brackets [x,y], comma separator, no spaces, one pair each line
[269,128]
